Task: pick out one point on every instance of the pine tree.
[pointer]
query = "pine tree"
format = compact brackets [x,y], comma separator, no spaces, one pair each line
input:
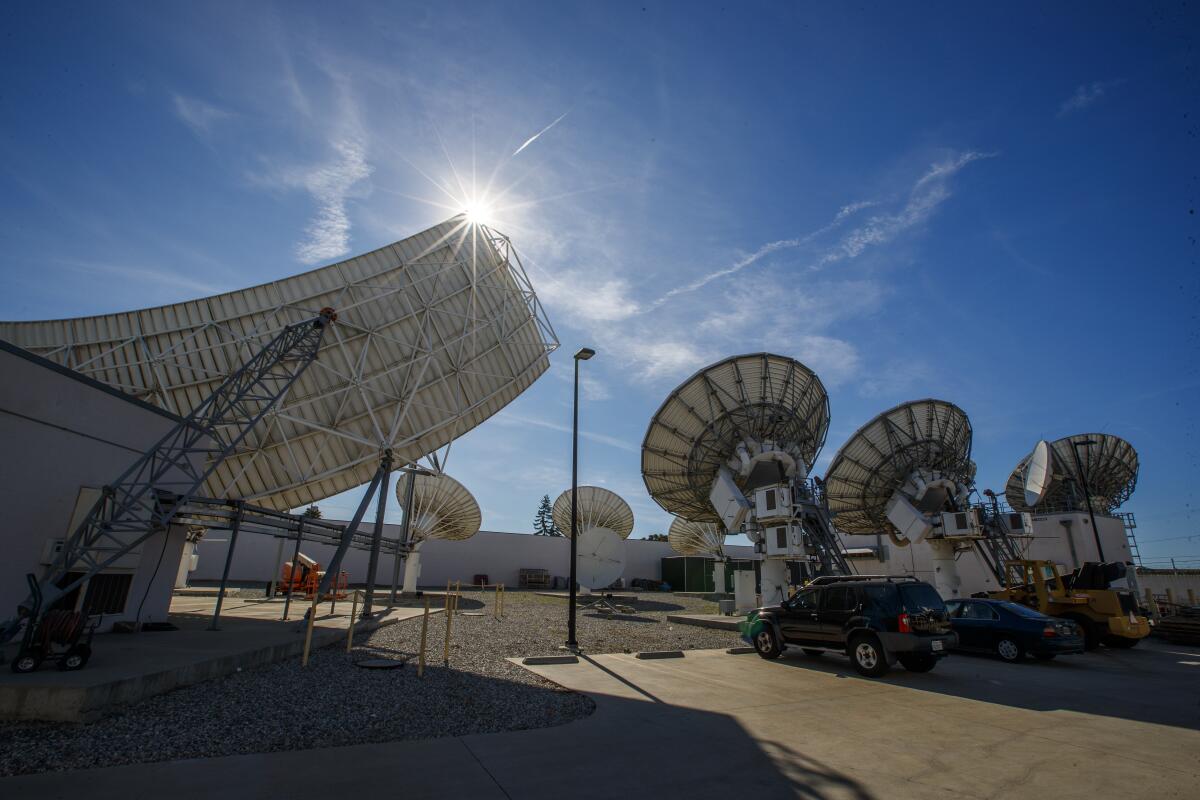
[312,512]
[543,523]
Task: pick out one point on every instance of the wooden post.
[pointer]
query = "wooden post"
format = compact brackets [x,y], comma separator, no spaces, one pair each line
[1151,603]
[1191,597]
[449,619]
[424,630]
[502,596]
[1170,597]
[496,602]
[312,618]
[457,594]
[353,617]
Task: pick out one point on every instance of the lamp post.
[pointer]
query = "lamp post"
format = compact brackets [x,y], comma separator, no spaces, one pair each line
[1087,493]
[583,354]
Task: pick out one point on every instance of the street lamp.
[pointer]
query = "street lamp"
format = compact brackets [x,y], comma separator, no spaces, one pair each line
[1087,493]
[583,354]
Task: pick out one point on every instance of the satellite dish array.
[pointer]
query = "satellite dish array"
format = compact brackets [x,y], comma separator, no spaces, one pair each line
[731,449]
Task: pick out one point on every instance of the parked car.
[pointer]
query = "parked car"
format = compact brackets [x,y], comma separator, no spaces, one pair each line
[875,620]
[1010,630]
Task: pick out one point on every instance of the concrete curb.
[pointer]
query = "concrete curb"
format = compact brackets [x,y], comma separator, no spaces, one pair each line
[659,654]
[535,661]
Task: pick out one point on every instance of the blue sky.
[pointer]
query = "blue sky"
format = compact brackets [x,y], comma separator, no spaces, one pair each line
[991,205]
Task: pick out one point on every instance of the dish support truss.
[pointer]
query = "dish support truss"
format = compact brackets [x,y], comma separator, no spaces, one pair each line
[316,443]
[146,498]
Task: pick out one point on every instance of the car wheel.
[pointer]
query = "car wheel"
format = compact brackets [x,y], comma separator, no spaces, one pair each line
[808,651]
[1122,642]
[25,663]
[75,658]
[917,662]
[867,655]
[765,644]
[1091,637]
[1044,656]
[1009,650]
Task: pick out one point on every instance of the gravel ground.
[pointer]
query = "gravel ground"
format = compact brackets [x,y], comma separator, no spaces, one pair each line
[285,707]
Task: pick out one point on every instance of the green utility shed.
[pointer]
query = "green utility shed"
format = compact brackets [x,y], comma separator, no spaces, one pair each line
[695,573]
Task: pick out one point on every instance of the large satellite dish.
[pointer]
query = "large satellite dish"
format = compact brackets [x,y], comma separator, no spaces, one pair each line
[435,334]
[1107,465]
[763,416]
[442,508]
[600,558]
[598,509]
[696,538]
[920,449]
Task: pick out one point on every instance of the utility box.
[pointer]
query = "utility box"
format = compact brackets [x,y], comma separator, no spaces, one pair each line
[773,502]
[963,523]
[784,541]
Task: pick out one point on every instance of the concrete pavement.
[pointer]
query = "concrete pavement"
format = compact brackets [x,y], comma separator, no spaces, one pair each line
[1109,724]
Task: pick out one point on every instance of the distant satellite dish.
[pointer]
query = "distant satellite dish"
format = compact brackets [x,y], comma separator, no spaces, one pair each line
[1107,465]
[920,449]
[764,416]
[696,538]
[600,558]
[597,509]
[1038,473]
[442,508]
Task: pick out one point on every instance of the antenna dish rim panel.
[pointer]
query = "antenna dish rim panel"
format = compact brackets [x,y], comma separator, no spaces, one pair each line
[1110,467]
[878,458]
[435,334]
[698,427]
[597,507]
[690,538]
[1038,474]
[442,508]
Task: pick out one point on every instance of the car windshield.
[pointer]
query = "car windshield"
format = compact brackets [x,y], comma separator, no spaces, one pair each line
[917,596]
[1022,611]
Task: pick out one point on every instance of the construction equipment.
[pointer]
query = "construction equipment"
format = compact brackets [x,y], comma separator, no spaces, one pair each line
[1106,615]
[146,498]
[295,575]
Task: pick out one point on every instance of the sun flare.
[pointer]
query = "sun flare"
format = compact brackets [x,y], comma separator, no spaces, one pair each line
[479,212]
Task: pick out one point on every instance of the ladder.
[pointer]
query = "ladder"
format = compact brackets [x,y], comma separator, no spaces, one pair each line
[1130,523]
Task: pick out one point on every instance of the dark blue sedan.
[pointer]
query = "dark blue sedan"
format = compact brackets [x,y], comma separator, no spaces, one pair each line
[1010,631]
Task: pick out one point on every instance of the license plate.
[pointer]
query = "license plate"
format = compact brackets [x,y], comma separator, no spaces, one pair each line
[937,645]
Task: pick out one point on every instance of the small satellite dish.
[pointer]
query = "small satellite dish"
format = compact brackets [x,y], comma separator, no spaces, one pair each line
[442,508]
[600,558]
[1038,473]
[696,538]
[597,508]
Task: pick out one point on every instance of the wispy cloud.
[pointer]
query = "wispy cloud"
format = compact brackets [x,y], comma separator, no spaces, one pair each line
[534,138]
[507,417]
[197,114]
[1086,96]
[159,277]
[327,235]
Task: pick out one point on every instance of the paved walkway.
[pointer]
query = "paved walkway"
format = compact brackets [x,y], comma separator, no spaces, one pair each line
[710,725]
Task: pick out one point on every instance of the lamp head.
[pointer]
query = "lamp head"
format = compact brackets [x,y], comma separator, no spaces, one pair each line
[584,353]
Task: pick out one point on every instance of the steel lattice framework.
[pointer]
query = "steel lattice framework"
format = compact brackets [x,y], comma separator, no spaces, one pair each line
[144,500]
[436,333]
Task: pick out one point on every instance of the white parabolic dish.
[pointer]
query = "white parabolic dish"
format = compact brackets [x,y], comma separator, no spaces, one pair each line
[1038,473]
[435,333]
[600,558]
[442,508]
[596,507]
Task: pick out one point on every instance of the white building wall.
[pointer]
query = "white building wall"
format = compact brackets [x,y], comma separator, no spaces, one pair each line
[61,433]
[500,556]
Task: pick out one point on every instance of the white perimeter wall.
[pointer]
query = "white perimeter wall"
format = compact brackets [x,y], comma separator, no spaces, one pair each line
[500,556]
[61,434]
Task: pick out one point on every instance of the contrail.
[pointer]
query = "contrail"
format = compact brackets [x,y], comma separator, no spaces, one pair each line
[531,139]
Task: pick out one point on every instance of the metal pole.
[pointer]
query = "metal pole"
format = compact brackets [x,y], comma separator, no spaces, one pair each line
[405,528]
[385,466]
[287,603]
[237,525]
[335,564]
[1087,495]
[571,643]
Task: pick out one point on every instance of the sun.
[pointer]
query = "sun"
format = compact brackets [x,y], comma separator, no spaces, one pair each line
[479,212]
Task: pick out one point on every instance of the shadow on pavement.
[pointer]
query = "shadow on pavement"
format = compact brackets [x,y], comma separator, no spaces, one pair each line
[1146,684]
